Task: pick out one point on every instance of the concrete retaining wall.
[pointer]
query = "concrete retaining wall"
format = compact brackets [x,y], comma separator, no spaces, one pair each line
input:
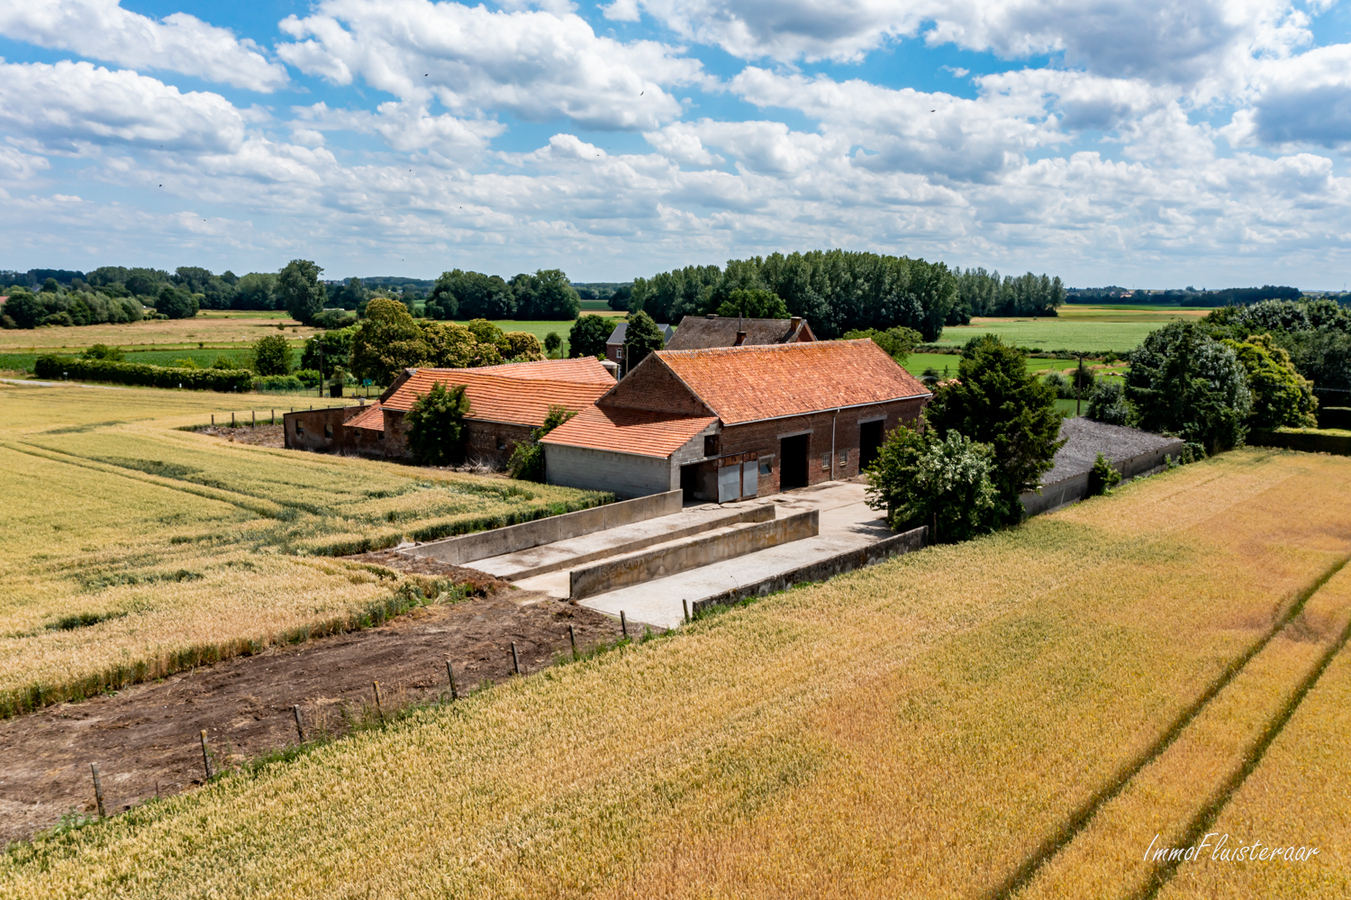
[468,547]
[1075,488]
[640,567]
[905,542]
[740,516]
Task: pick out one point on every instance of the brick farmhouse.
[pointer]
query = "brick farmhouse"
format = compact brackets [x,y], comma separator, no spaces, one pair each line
[733,422]
[506,403]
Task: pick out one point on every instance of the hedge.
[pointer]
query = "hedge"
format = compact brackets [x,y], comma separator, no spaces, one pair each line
[1307,440]
[143,374]
[278,384]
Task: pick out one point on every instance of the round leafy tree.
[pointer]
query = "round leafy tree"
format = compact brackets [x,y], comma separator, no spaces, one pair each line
[588,334]
[436,432]
[175,302]
[1280,395]
[300,291]
[995,400]
[1107,403]
[946,483]
[552,343]
[271,355]
[640,339]
[755,303]
[1182,381]
[387,341]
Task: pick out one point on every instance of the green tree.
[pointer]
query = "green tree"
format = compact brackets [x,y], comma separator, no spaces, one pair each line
[898,342]
[756,303]
[1107,403]
[175,302]
[470,295]
[330,349]
[271,355]
[552,344]
[387,341]
[256,290]
[1181,381]
[300,291]
[527,458]
[522,346]
[436,432]
[588,335]
[640,338]
[946,483]
[23,309]
[619,300]
[1280,395]
[995,400]
[545,295]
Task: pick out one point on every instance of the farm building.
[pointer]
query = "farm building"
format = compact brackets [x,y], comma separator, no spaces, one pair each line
[506,403]
[727,423]
[706,332]
[614,344]
[1130,451]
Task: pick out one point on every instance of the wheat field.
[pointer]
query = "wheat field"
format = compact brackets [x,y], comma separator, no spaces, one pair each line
[1018,715]
[134,549]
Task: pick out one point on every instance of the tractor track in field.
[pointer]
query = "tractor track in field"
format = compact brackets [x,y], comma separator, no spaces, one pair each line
[1080,819]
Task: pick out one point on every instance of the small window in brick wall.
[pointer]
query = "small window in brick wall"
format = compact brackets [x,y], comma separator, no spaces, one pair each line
[711,445]
[766,466]
[844,458]
[501,444]
[825,461]
[380,436]
[300,429]
[328,431]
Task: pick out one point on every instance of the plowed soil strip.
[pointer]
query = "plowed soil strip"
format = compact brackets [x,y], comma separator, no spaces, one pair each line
[145,739]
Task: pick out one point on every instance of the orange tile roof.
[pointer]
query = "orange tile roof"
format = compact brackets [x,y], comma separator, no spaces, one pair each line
[499,398]
[633,431]
[586,369]
[748,384]
[372,417]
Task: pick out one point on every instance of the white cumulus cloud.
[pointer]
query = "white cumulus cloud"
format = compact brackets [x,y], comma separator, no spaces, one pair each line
[102,29]
[535,65]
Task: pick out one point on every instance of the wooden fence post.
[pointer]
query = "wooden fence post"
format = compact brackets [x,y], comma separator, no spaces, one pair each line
[572,636]
[623,624]
[379,707]
[515,660]
[300,729]
[98,791]
[450,673]
[206,757]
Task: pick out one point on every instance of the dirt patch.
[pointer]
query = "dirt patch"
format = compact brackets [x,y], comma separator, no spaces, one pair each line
[145,739]
[257,435]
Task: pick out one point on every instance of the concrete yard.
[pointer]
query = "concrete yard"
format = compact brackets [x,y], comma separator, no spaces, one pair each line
[846,524]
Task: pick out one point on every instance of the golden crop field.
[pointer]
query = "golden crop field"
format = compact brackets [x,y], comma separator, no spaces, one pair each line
[994,719]
[212,328]
[133,549]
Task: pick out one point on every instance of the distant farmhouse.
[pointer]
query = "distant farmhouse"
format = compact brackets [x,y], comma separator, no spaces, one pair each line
[706,332]
[506,403]
[732,422]
[614,344]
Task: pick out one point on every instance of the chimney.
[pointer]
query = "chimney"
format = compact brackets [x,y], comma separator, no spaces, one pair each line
[711,316]
[740,338]
[794,324]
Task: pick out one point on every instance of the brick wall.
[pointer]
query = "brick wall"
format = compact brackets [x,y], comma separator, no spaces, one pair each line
[763,437]
[654,387]
[322,430]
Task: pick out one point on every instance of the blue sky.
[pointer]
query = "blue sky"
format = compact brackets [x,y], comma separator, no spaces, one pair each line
[1148,144]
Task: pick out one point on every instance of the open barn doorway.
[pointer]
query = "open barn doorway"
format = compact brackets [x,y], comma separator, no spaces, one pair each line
[869,442]
[793,462]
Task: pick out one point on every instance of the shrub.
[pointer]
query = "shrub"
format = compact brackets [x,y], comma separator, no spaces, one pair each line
[308,377]
[1107,404]
[1060,384]
[552,343]
[640,338]
[898,342]
[1102,477]
[278,384]
[523,346]
[271,355]
[103,351]
[143,374]
[947,483]
[436,432]
[527,459]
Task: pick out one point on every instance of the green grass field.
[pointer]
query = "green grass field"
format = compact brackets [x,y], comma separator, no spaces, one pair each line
[1078,328]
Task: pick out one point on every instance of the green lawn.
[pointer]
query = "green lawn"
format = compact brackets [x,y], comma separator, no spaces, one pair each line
[1077,328]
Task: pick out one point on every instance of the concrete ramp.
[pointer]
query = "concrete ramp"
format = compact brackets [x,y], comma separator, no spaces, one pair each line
[674,557]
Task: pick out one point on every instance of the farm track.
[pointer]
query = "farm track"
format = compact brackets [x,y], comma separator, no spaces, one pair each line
[1094,824]
[145,738]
